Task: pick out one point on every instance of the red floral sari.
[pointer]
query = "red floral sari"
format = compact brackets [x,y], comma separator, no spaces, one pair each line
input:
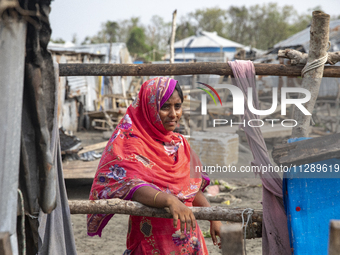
[142,153]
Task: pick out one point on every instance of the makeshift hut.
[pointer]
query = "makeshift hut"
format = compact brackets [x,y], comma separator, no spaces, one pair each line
[300,41]
[81,94]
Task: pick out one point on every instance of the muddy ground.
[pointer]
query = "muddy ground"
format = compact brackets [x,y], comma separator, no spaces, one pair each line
[248,192]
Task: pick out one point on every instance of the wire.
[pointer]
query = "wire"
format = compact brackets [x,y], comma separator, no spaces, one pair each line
[249,212]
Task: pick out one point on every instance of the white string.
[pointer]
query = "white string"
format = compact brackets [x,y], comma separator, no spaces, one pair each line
[31,216]
[249,213]
[316,63]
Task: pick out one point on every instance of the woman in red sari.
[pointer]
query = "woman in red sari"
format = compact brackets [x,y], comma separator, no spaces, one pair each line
[146,161]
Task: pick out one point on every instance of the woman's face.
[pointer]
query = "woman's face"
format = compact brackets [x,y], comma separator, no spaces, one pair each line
[171,112]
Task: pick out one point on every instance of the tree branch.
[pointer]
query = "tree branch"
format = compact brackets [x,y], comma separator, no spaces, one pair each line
[299,58]
[112,206]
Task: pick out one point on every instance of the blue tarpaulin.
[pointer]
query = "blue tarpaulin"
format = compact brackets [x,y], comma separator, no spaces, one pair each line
[311,203]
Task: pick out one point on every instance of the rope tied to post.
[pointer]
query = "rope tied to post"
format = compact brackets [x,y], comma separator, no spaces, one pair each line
[249,212]
[316,63]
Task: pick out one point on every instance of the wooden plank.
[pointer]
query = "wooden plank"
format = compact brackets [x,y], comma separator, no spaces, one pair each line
[307,151]
[334,238]
[80,169]
[117,96]
[232,239]
[181,69]
[101,128]
[112,112]
[93,147]
[267,131]
[272,132]
[5,244]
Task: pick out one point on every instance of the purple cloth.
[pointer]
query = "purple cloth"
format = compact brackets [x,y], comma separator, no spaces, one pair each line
[169,91]
[275,238]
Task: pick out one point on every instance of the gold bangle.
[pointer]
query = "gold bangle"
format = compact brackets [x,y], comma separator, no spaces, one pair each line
[154,198]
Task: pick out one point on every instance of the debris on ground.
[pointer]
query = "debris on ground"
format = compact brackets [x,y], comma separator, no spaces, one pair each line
[90,156]
[70,145]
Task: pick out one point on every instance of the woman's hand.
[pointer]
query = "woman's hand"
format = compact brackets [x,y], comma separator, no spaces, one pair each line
[151,197]
[182,212]
[215,227]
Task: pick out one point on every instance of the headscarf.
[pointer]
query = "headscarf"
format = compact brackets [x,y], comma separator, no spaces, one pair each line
[141,152]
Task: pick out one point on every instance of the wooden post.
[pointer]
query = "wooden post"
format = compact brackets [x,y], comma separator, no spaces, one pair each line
[172,39]
[124,91]
[334,238]
[173,34]
[5,244]
[232,239]
[319,36]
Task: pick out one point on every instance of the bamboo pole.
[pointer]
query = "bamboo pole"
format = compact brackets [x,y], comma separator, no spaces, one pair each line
[181,69]
[319,36]
[172,40]
[334,238]
[112,206]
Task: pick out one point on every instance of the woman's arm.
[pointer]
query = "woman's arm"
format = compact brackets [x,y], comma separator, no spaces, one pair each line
[200,200]
[215,226]
[147,196]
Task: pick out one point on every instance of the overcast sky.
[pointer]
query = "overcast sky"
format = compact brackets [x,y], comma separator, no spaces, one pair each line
[84,17]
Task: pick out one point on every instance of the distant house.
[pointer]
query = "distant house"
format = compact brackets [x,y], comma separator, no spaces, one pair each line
[79,94]
[329,87]
[205,47]
[300,41]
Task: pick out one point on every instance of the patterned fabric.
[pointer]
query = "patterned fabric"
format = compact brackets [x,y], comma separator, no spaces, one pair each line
[158,236]
[141,152]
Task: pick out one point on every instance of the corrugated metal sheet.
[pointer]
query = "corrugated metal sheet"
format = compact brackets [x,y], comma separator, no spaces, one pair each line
[302,38]
[78,85]
[12,52]
[119,52]
[206,39]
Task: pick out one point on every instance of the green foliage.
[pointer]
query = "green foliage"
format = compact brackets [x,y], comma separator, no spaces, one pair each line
[260,26]
[263,26]
[136,42]
[157,36]
[185,29]
[211,19]
[111,29]
[206,234]
[108,34]
[57,40]
[74,38]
